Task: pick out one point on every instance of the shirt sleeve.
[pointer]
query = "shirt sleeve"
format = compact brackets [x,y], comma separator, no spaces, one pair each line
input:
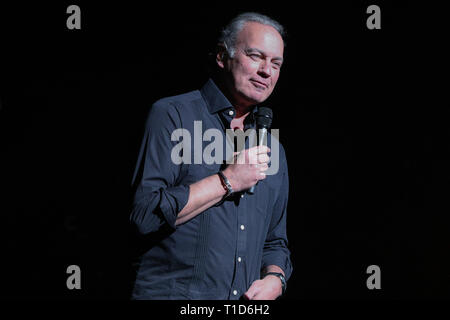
[158,198]
[276,250]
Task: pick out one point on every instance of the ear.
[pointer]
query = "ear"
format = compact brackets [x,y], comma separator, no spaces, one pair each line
[221,55]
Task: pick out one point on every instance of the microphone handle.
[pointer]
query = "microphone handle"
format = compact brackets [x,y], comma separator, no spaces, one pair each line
[261,142]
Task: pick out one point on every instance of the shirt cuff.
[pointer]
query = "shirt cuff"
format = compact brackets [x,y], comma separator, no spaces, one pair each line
[278,259]
[173,200]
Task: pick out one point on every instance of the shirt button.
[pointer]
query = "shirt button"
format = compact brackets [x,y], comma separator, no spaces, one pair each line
[231,112]
[242,227]
[242,195]
[235,292]
[239,259]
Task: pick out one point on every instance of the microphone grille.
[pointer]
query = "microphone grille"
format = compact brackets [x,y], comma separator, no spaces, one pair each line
[264,117]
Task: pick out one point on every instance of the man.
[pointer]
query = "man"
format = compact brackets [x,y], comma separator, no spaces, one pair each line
[202,235]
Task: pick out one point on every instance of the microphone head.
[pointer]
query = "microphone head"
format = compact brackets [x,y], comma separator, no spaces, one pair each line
[264,117]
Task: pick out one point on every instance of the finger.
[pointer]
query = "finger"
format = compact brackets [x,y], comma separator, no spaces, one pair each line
[263,158]
[262,149]
[262,167]
[249,295]
[263,295]
[251,292]
[258,296]
[253,151]
[243,157]
[259,150]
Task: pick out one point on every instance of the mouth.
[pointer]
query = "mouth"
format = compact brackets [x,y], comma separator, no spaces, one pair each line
[259,84]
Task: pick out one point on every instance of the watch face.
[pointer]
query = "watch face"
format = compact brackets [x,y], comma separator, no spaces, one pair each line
[283,282]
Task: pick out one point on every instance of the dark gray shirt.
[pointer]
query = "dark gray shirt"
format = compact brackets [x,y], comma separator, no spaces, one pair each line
[221,251]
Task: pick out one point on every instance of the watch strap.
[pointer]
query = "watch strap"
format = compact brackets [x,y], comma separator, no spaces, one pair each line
[226,184]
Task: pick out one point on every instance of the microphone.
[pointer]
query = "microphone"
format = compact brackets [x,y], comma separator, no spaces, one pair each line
[263,123]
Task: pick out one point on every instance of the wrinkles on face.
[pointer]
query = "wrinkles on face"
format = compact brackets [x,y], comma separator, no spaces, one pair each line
[255,68]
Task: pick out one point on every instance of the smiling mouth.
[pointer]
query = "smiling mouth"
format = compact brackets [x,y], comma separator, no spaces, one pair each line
[259,84]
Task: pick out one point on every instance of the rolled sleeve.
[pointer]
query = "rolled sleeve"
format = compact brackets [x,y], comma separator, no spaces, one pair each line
[173,201]
[158,199]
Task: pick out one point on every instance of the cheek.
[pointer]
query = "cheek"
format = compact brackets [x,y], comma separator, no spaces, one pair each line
[242,74]
[248,68]
[275,76]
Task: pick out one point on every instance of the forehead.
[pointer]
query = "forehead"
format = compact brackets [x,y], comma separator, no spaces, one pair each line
[262,37]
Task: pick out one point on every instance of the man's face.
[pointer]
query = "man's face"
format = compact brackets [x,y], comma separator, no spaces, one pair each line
[254,70]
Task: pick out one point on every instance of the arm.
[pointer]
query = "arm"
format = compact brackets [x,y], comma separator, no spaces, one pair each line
[276,255]
[158,199]
[202,195]
[209,191]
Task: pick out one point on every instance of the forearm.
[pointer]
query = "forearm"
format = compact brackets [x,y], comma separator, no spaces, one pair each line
[241,175]
[202,195]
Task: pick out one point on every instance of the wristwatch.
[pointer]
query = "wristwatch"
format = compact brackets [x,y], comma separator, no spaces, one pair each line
[281,277]
[226,184]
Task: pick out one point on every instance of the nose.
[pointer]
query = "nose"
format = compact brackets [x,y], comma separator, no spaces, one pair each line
[264,69]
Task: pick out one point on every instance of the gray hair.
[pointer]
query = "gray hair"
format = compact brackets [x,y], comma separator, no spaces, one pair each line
[229,34]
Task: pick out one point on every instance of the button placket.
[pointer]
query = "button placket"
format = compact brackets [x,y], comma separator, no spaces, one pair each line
[241,244]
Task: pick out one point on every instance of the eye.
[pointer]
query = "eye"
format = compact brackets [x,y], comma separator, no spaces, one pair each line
[276,66]
[255,56]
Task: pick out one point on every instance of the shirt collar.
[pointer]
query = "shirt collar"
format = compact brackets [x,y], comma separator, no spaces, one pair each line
[216,100]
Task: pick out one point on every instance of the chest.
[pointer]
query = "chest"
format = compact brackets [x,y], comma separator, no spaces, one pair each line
[237,123]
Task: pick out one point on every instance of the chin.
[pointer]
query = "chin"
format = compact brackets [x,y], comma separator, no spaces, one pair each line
[259,98]
[253,100]
[253,97]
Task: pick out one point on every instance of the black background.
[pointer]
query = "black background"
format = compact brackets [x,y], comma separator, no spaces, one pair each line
[362,114]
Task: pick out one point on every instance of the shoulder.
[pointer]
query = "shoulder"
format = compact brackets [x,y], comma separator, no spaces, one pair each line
[176,102]
[172,109]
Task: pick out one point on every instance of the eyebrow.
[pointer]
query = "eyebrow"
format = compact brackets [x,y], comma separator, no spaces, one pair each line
[263,53]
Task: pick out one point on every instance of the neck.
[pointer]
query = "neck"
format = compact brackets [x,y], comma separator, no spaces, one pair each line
[242,108]
[242,112]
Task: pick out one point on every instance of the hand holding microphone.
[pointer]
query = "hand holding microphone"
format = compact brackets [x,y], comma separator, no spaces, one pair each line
[248,168]
[263,123]
[250,164]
